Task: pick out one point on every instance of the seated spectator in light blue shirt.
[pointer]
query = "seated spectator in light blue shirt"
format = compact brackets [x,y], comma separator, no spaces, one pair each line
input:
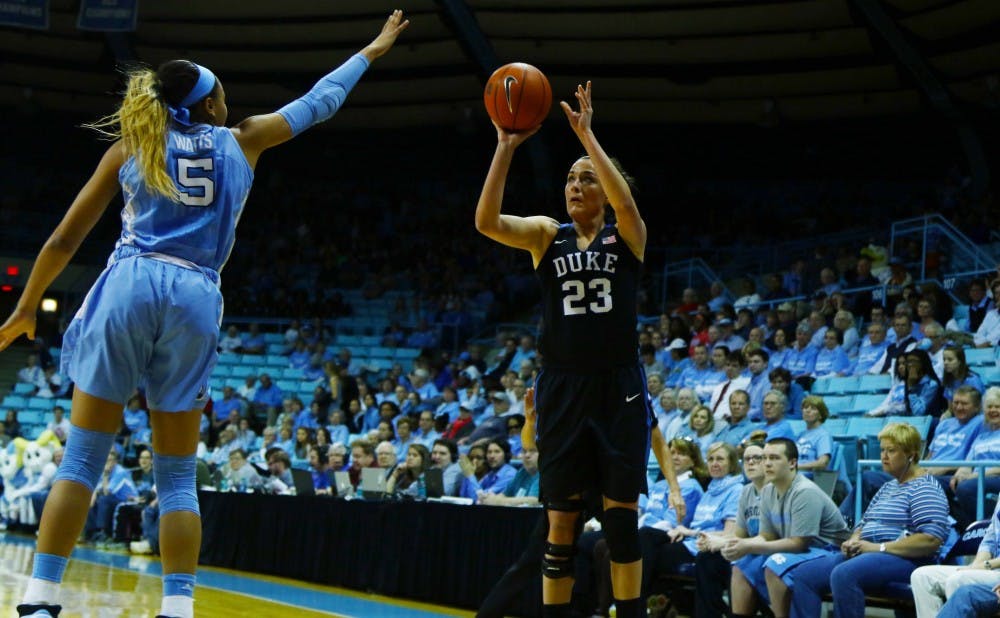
[226,404]
[113,487]
[965,483]
[492,423]
[268,396]
[757,363]
[871,351]
[679,362]
[701,376]
[514,424]
[815,444]
[740,426]
[779,351]
[702,428]
[775,424]
[420,378]
[253,340]
[472,397]
[664,549]
[300,356]
[314,371]
[444,456]
[311,419]
[689,466]
[844,321]
[491,474]
[523,488]
[831,360]
[781,380]
[655,387]
[667,406]
[404,437]
[449,404]
[801,356]
[338,430]
[426,434]
[817,329]
[686,402]
[246,437]
[134,417]
[957,372]
[918,391]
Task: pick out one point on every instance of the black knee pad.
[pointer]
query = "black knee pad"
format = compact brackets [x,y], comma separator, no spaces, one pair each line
[558,561]
[621,529]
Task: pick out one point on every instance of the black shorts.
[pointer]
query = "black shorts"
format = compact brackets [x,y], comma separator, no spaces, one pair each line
[593,433]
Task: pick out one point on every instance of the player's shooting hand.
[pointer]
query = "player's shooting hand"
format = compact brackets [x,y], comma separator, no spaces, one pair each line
[513,139]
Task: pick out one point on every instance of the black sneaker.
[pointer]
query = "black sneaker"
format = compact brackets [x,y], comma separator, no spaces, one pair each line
[39,611]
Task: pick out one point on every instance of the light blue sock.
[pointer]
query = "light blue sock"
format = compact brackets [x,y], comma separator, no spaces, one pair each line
[46,577]
[178,585]
[49,567]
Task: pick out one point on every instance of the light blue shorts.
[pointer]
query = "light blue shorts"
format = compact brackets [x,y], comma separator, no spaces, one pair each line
[782,564]
[146,323]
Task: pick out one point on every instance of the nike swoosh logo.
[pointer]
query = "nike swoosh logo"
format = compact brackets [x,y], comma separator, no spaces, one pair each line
[631,398]
[507,81]
[559,242]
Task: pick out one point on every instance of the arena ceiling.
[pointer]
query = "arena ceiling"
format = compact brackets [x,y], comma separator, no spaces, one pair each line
[652,61]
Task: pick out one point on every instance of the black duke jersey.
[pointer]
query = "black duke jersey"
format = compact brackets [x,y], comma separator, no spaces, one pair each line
[589,301]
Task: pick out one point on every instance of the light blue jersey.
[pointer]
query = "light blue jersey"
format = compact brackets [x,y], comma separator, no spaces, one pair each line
[213,177]
[152,318]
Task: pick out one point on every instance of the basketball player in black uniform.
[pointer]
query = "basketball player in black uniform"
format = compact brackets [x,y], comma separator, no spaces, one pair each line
[593,410]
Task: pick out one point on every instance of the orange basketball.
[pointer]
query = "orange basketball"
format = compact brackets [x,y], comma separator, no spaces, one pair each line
[518,96]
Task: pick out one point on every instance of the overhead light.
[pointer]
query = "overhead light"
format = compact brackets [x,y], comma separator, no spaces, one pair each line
[49,305]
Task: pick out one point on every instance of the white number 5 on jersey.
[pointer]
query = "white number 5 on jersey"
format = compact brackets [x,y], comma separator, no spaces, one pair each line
[197,189]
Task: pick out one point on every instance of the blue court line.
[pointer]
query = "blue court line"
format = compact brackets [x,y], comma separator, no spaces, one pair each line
[319,600]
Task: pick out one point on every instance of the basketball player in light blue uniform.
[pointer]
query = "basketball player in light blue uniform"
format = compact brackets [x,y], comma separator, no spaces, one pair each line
[153,316]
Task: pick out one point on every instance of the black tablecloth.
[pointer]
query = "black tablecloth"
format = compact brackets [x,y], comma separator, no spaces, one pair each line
[438,553]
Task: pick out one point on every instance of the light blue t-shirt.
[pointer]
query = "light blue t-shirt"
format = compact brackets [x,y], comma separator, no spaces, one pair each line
[655,508]
[719,503]
[952,439]
[813,444]
[831,362]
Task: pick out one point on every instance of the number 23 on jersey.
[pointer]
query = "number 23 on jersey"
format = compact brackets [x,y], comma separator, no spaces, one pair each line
[594,297]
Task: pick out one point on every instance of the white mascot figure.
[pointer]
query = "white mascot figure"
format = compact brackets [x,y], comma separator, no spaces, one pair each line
[39,473]
[13,478]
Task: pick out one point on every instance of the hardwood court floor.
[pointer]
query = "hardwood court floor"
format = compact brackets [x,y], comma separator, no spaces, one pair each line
[102,584]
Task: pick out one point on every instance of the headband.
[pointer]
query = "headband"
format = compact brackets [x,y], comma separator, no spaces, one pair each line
[202,88]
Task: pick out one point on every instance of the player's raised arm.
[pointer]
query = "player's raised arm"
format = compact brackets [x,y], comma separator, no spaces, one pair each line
[630,223]
[258,133]
[529,233]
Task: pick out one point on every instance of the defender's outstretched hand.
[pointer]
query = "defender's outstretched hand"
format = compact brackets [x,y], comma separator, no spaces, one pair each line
[385,39]
[21,322]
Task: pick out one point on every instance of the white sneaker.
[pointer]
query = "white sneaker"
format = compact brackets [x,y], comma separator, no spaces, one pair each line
[140,547]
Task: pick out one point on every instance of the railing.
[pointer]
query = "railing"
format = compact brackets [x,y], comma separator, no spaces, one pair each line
[691,268]
[979,465]
[935,223]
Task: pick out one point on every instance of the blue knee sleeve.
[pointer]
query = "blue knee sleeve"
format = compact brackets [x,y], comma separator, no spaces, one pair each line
[85,456]
[326,97]
[621,530]
[175,483]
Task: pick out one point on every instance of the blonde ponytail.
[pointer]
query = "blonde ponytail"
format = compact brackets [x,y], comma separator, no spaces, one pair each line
[141,124]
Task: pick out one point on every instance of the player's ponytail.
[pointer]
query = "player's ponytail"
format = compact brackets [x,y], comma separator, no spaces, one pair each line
[141,124]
